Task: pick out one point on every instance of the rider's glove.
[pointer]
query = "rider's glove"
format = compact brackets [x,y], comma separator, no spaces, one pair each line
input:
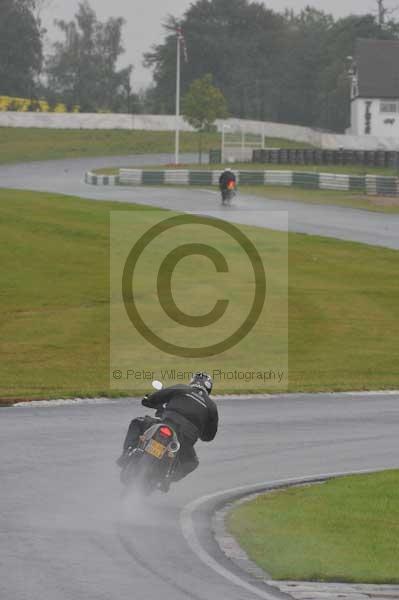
[146,401]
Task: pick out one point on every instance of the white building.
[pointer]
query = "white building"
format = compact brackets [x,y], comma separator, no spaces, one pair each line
[375,89]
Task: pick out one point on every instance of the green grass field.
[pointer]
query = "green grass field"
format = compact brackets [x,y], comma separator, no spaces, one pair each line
[343,304]
[345,530]
[20,144]
[327,197]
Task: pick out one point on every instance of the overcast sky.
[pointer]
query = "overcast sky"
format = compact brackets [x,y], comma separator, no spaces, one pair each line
[144,20]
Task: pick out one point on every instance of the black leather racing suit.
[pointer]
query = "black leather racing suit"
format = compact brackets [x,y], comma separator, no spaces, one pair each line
[191,412]
[225,179]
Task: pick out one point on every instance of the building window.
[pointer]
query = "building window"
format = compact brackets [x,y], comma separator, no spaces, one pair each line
[388,107]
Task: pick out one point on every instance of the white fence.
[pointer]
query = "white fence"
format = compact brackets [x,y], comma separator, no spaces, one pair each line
[91,121]
[278,177]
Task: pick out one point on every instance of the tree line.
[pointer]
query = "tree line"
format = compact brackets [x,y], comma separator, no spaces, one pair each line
[280,66]
[81,70]
[285,67]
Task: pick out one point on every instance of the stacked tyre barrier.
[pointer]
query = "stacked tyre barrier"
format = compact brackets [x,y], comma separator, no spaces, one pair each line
[368,184]
[313,156]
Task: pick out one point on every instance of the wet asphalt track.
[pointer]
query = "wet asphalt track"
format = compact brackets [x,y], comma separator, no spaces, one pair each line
[65,533]
[67,176]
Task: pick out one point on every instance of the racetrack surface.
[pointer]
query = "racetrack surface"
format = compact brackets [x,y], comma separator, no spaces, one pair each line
[67,177]
[66,533]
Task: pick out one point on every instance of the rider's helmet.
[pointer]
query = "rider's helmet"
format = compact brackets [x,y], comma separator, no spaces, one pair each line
[203,380]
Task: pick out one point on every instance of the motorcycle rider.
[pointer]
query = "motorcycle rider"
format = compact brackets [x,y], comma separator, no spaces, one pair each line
[226,177]
[191,412]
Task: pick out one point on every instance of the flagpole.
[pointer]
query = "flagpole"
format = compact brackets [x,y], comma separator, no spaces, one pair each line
[177,137]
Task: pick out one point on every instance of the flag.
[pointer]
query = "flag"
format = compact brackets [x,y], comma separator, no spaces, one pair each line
[182,42]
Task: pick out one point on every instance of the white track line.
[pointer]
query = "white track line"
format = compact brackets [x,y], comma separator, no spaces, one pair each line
[75,401]
[65,402]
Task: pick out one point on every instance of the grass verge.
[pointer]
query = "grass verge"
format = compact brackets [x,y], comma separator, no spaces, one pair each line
[343,304]
[23,145]
[345,530]
[29,144]
[386,204]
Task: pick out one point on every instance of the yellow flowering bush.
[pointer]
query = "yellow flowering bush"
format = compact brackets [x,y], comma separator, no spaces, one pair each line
[25,105]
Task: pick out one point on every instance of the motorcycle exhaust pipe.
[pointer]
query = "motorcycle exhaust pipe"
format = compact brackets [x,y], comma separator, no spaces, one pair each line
[173,448]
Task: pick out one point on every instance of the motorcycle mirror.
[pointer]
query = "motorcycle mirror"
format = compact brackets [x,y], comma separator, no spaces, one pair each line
[157,385]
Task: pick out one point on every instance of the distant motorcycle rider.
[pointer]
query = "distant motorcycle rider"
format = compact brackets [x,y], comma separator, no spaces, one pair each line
[226,178]
[191,412]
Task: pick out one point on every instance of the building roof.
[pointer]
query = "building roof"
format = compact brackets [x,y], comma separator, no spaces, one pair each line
[377,63]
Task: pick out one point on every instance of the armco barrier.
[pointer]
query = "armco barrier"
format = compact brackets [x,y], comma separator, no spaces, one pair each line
[357,183]
[179,177]
[153,177]
[251,177]
[306,180]
[369,184]
[278,178]
[200,177]
[331,181]
[94,179]
[387,186]
[130,176]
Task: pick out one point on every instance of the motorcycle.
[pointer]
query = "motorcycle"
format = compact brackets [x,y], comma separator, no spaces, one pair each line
[228,192]
[151,465]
